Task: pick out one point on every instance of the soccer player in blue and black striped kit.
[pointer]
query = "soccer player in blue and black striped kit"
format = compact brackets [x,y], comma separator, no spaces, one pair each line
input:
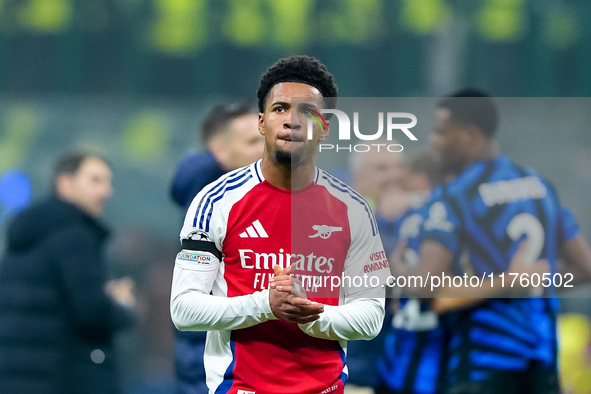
[497,345]
[414,346]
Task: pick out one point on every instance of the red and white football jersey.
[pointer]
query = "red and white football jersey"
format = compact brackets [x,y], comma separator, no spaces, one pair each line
[246,226]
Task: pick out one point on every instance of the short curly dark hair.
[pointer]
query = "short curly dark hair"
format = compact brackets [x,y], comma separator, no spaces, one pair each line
[301,69]
[473,106]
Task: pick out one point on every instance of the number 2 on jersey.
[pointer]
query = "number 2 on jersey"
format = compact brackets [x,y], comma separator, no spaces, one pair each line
[530,226]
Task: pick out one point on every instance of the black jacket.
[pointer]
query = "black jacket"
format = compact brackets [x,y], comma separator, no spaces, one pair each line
[56,322]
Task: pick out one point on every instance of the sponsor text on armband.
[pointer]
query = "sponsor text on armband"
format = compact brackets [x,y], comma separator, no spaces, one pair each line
[195,257]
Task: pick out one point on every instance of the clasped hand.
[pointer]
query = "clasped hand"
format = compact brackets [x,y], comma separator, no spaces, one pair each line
[291,306]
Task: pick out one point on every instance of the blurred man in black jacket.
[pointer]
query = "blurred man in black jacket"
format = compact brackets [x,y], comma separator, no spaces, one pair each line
[57,312]
[230,134]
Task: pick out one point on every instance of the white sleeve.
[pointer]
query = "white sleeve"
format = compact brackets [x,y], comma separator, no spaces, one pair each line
[362,315]
[362,318]
[192,307]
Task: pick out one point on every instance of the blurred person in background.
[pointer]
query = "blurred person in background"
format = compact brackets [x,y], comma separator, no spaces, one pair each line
[230,133]
[378,175]
[58,313]
[496,344]
[375,174]
[414,346]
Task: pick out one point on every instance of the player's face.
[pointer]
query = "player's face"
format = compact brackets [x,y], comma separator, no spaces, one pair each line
[89,187]
[284,123]
[246,144]
[450,142]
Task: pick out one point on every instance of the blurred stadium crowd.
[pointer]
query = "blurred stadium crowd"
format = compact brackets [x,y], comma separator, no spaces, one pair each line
[134,79]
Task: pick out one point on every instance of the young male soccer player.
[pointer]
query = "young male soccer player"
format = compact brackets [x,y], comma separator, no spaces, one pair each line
[499,345]
[272,213]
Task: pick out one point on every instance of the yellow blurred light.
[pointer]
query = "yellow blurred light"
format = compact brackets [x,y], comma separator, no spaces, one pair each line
[244,22]
[574,331]
[145,137]
[180,26]
[561,31]
[424,16]
[583,382]
[46,16]
[502,20]
[177,6]
[364,17]
[354,21]
[21,125]
[291,22]
[574,338]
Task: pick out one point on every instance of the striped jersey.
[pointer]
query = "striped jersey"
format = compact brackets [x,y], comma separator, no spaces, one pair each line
[414,346]
[485,212]
[326,229]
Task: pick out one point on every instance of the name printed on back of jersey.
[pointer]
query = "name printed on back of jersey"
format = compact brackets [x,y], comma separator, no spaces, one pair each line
[506,191]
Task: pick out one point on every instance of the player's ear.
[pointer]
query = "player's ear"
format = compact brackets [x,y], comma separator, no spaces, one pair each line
[473,131]
[218,148]
[475,136]
[261,124]
[324,134]
[64,185]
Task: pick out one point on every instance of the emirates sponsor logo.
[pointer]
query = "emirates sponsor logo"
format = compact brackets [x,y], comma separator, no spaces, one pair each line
[310,263]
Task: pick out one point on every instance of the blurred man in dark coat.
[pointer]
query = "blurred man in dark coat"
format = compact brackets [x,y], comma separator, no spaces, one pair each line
[57,313]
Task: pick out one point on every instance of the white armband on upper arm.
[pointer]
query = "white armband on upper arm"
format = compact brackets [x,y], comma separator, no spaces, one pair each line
[197,271]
